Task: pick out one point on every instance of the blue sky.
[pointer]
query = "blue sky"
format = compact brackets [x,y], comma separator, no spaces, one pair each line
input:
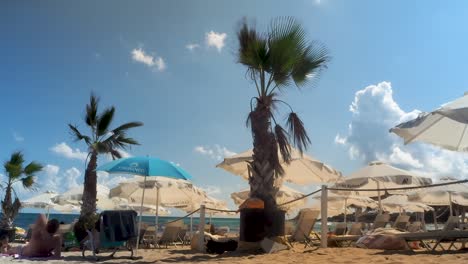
[172,65]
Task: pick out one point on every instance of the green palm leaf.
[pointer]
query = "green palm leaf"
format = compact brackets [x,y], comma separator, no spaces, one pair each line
[78,136]
[298,132]
[91,111]
[28,182]
[32,168]
[104,120]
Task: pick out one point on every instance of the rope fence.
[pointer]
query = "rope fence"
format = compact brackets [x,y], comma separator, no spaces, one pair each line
[398,188]
[300,198]
[182,217]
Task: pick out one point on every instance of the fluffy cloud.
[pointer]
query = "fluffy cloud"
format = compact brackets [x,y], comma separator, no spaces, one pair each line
[216,152]
[374,112]
[52,179]
[139,55]
[211,190]
[109,180]
[214,39]
[64,150]
[192,46]
[71,177]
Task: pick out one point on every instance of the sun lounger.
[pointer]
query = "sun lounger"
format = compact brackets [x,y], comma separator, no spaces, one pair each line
[447,234]
[354,233]
[169,236]
[340,229]
[401,223]
[381,221]
[304,227]
[117,230]
[415,227]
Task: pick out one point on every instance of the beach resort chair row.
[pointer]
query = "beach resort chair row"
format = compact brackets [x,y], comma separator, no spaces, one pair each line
[448,234]
[174,233]
[304,232]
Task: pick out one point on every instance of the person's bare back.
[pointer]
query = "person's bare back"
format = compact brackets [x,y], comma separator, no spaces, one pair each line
[44,242]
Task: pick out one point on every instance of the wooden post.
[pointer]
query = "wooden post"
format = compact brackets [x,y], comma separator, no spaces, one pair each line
[434,214]
[141,214]
[380,199]
[450,204]
[324,214]
[201,229]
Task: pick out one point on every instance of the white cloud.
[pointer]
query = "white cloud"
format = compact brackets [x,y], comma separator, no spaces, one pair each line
[122,152]
[64,150]
[211,190]
[214,39]
[216,152]
[192,46]
[18,137]
[374,112]
[139,55]
[110,180]
[71,177]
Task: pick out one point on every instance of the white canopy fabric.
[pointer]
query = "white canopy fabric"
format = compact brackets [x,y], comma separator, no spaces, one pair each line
[74,197]
[442,195]
[302,170]
[149,209]
[172,193]
[43,200]
[285,194]
[398,203]
[445,127]
[379,175]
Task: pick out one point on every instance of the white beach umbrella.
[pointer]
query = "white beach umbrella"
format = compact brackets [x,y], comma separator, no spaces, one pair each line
[399,203]
[445,127]
[380,176]
[45,201]
[74,197]
[149,209]
[442,195]
[338,203]
[302,169]
[285,194]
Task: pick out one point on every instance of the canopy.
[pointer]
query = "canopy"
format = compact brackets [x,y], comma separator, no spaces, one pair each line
[74,197]
[379,175]
[43,200]
[303,169]
[398,203]
[445,127]
[172,193]
[149,209]
[442,195]
[285,194]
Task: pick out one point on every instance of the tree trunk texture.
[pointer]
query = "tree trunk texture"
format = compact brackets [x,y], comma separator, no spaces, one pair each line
[88,206]
[263,178]
[10,209]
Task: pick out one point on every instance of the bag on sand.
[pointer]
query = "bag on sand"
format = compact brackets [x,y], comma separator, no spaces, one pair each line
[217,247]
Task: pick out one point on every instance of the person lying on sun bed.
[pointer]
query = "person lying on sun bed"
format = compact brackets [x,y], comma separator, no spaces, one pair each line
[44,242]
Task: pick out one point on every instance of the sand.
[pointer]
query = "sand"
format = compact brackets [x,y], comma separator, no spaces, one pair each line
[296,255]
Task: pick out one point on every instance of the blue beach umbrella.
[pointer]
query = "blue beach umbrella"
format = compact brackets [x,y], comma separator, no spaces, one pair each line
[147,167]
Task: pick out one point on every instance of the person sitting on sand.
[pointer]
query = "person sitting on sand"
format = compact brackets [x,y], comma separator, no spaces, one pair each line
[44,242]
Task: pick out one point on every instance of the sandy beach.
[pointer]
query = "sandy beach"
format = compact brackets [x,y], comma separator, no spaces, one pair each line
[296,255]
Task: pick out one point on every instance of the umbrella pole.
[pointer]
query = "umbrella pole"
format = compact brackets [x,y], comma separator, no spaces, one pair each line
[157,214]
[380,200]
[345,207]
[141,214]
[48,210]
[450,204]
[434,214]
[191,225]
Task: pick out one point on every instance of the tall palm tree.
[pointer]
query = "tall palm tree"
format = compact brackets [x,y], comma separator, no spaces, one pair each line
[16,172]
[101,141]
[275,60]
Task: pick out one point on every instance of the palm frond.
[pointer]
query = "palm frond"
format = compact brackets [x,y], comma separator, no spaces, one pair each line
[13,171]
[17,158]
[313,60]
[298,132]
[283,143]
[78,136]
[253,51]
[28,182]
[126,126]
[115,154]
[32,168]
[125,141]
[104,120]
[91,111]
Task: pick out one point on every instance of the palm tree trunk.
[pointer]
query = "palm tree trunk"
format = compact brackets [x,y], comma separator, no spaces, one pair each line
[6,208]
[88,206]
[263,175]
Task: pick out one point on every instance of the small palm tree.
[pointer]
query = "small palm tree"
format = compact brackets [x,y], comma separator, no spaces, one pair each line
[101,141]
[274,61]
[15,172]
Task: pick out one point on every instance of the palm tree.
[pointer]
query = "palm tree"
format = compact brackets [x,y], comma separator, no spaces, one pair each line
[15,173]
[101,141]
[275,60]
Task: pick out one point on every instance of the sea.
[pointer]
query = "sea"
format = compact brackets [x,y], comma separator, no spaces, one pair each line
[23,220]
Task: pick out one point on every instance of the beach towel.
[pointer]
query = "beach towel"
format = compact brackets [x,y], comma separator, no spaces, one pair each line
[382,238]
